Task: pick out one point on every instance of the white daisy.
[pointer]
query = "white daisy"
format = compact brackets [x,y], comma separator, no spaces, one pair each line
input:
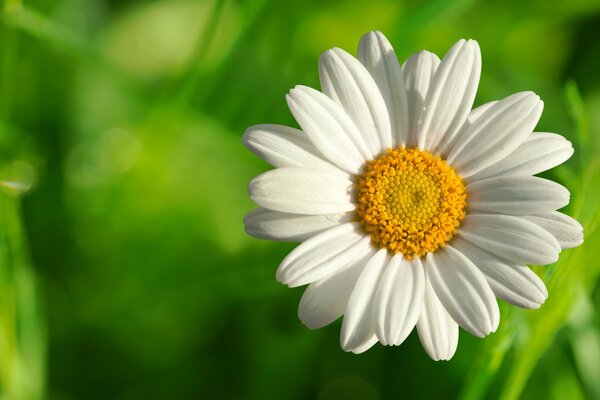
[412,209]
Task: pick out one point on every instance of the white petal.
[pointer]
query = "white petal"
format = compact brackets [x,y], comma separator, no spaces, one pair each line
[496,133]
[445,145]
[538,153]
[513,283]
[377,55]
[510,237]
[568,231]
[418,72]
[323,255]
[365,345]
[274,225]
[451,94]
[476,113]
[282,146]
[398,300]
[325,300]
[348,83]
[302,191]
[516,195]
[358,328]
[329,128]
[463,291]
[437,330]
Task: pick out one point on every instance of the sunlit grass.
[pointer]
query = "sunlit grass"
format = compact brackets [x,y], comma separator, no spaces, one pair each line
[130,115]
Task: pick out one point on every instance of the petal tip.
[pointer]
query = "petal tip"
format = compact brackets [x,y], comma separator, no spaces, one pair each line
[534,306]
[345,343]
[307,321]
[373,35]
[552,259]
[442,353]
[279,277]
[578,242]
[299,90]
[472,42]
[248,135]
[444,356]
[326,56]
[247,220]
[252,187]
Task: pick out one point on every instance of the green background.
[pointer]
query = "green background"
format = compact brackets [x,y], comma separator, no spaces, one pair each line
[125,272]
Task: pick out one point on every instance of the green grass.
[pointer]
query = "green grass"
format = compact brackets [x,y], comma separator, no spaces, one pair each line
[125,272]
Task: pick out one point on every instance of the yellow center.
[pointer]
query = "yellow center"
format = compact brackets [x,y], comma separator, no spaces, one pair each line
[410,201]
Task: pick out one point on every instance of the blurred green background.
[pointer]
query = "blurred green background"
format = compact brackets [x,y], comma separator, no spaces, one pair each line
[124,269]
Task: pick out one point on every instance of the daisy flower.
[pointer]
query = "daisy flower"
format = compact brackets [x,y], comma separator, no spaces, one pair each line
[412,209]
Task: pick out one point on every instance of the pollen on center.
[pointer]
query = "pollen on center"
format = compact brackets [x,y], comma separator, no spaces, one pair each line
[410,201]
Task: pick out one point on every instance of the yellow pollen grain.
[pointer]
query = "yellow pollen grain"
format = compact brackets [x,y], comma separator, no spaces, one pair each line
[410,201]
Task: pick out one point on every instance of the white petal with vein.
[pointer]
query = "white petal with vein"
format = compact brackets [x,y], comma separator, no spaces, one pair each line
[477,112]
[398,299]
[463,291]
[511,282]
[349,84]
[377,55]
[496,133]
[358,330]
[302,191]
[450,95]
[325,300]
[274,225]
[517,195]
[510,237]
[323,255]
[538,153]
[568,231]
[329,128]
[437,330]
[418,72]
[282,146]
[474,115]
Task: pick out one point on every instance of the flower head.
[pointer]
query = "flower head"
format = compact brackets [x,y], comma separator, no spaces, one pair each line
[412,208]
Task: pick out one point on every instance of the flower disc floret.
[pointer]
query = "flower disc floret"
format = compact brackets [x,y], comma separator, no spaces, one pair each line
[410,201]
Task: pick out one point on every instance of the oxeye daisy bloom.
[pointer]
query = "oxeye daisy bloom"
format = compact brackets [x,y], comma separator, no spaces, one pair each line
[412,209]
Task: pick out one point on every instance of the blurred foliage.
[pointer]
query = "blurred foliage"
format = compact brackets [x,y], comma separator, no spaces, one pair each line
[123,119]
